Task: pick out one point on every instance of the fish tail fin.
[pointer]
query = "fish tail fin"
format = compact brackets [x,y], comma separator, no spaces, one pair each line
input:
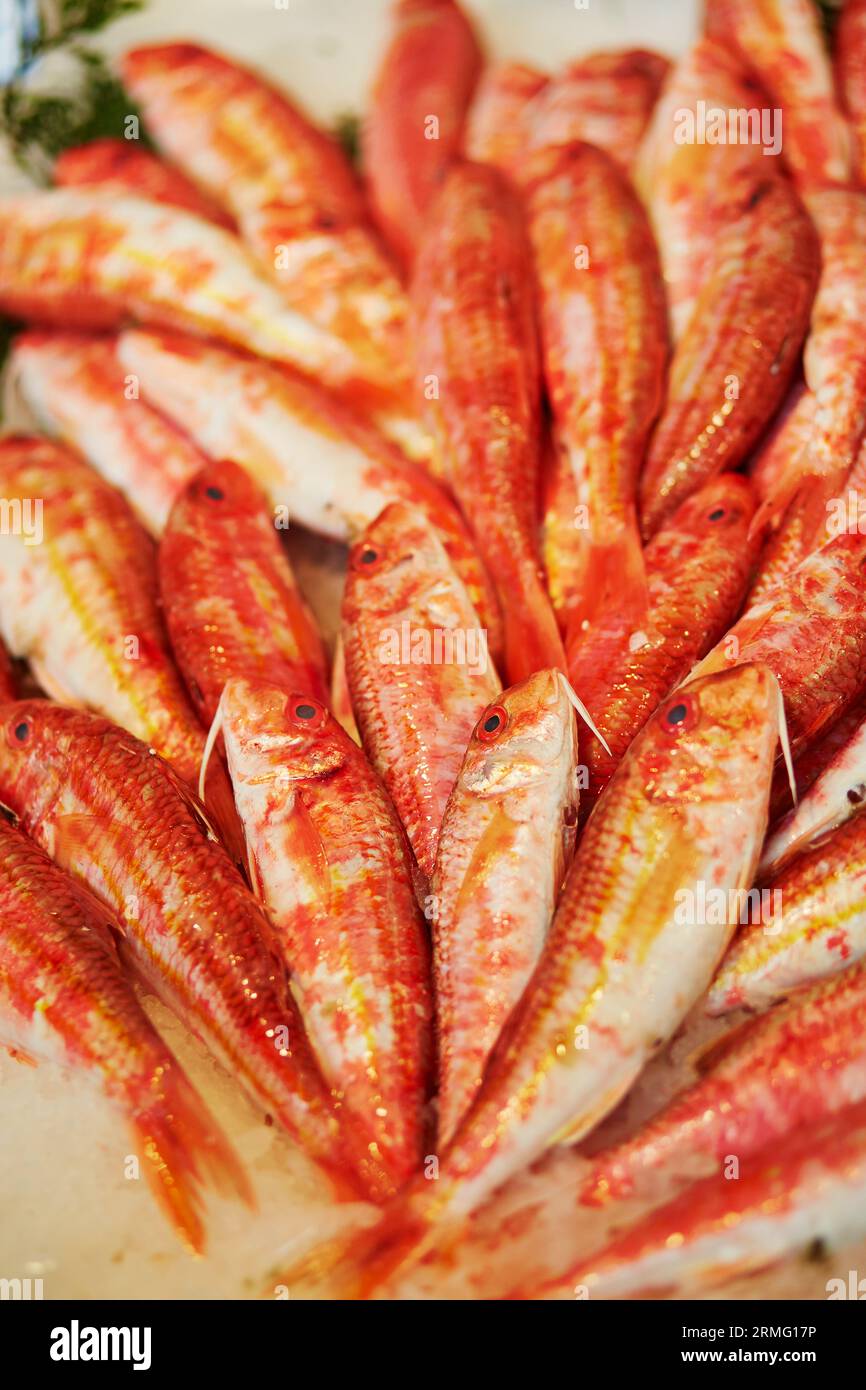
[183,1151]
[356,1265]
[532,639]
[612,577]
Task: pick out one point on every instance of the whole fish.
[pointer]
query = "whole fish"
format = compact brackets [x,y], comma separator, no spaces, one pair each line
[605,99]
[689,183]
[698,566]
[231,602]
[117,817]
[604,345]
[413,127]
[811,632]
[126,168]
[291,190]
[88,258]
[417,665]
[819,927]
[732,365]
[620,967]
[75,386]
[498,126]
[79,599]
[64,996]
[782,43]
[476,348]
[317,460]
[329,861]
[504,848]
[850,65]
[836,794]
[810,1187]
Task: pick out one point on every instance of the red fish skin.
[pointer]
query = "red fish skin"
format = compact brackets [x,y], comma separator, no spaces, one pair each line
[291,189]
[76,387]
[8,682]
[415,716]
[498,124]
[734,1221]
[474,319]
[698,565]
[812,762]
[331,864]
[115,816]
[231,602]
[101,565]
[850,66]
[63,992]
[180,375]
[604,349]
[122,165]
[811,632]
[430,68]
[787,1068]
[744,336]
[781,42]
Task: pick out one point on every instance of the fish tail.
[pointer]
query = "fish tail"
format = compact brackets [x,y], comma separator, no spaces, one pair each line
[532,639]
[357,1265]
[183,1151]
[612,577]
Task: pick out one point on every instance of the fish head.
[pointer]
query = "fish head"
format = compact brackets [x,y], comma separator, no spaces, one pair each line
[522,737]
[397,560]
[276,737]
[217,494]
[39,743]
[712,741]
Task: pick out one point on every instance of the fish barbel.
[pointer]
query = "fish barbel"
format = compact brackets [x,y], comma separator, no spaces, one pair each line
[604,347]
[88,258]
[290,188]
[63,996]
[504,848]
[688,184]
[835,795]
[78,391]
[732,365]
[818,928]
[413,126]
[417,665]
[331,470]
[120,165]
[811,631]
[80,601]
[329,860]
[231,602]
[781,42]
[620,968]
[115,816]
[476,341]
[698,565]
[810,1186]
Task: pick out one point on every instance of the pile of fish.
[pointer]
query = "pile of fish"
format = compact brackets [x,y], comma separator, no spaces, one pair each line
[576,370]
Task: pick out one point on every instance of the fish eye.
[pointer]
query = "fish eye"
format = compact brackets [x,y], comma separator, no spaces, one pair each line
[306,713]
[365,558]
[679,716]
[491,723]
[716,514]
[19,732]
[214,492]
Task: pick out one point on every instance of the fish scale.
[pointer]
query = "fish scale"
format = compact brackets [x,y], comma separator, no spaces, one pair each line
[113,814]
